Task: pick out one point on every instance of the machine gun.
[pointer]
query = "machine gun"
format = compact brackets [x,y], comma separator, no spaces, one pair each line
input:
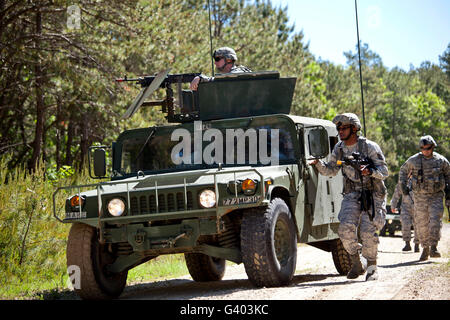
[356,161]
[145,81]
[149,84]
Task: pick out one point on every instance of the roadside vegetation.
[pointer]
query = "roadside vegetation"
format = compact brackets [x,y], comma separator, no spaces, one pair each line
[33,243]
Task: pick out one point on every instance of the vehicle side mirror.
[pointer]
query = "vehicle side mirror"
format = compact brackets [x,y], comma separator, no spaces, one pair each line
[99,162]
[318,143]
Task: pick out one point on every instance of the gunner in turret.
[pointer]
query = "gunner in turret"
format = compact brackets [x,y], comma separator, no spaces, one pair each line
[225,61]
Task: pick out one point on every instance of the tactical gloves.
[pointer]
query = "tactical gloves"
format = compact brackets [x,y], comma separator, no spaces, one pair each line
[405,189]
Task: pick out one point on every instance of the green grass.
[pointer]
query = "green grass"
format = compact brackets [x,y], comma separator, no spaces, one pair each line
[33,243]
[162,267]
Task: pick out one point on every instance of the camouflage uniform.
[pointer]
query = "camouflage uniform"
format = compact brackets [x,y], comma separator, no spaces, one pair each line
[406,213]
[351,215]
[429,179]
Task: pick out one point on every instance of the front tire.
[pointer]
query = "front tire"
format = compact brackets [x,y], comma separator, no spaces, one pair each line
[91,258]
[269,245]
[203,268]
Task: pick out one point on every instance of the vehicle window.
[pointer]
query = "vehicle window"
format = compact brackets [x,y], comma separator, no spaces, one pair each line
[258,142]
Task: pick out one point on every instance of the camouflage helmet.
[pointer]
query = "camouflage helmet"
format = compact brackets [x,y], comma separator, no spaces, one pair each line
[425,140]
[225,52]
[347,118]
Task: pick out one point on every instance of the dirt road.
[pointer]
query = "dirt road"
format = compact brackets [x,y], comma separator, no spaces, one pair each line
[401,276]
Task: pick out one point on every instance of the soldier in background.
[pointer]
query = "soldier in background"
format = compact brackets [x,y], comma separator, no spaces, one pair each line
[406,217]
[225,61]
[430,176]
[351,215]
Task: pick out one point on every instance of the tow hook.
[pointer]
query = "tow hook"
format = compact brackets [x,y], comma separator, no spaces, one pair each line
[139,237]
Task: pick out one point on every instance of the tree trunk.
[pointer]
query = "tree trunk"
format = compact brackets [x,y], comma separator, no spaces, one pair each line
[70,134]
[59,129]
[84,144]
[40,107]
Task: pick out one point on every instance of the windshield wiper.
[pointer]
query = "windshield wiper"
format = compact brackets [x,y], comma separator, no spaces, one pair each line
[150,136]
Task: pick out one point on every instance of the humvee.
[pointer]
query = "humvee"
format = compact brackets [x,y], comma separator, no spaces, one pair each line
[226,179]
[393,222]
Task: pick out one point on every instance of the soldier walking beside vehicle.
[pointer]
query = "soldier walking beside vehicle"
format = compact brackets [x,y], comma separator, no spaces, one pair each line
[406,217]
[430,176]
[372,216]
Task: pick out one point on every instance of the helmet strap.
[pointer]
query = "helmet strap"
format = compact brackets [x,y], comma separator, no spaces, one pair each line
[226,63]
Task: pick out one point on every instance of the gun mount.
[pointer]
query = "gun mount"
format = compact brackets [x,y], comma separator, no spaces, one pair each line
[228,96]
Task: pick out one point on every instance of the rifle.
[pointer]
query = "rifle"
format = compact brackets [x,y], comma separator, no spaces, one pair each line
[356,161]
[151,83]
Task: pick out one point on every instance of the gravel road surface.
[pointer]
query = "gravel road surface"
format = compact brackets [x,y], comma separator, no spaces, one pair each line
[401,277]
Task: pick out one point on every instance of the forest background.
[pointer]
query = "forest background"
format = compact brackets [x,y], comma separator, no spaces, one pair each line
[58,96]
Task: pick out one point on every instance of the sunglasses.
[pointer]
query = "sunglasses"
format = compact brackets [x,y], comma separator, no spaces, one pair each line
[429,148]
[217,59]
[342,128]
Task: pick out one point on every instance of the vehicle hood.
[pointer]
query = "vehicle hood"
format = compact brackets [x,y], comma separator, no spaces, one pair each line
[192,178]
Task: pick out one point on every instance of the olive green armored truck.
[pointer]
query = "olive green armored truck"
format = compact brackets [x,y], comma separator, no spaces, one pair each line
[226,179]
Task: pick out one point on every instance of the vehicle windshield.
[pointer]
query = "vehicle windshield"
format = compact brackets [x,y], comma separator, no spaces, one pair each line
[238,142]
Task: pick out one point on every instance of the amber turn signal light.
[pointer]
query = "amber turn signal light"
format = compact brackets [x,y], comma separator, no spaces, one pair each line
[249,186]
[75,201]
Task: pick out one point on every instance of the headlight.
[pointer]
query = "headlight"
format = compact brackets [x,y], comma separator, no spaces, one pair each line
[116,207]
[207,198]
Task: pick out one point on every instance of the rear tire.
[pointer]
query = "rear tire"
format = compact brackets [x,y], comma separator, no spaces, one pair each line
[269,245]
[86,253]
[383,231]
[203,268]
[391,231]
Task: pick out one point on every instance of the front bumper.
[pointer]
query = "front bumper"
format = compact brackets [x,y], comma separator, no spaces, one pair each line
[224,203]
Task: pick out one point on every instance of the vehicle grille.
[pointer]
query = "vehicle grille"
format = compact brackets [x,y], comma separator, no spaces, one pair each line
[167,203]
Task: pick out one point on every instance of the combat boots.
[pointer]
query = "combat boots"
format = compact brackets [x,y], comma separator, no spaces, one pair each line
[425,254]
[416,247]
[357,267]
[434,253]
[372,273]
[407,246]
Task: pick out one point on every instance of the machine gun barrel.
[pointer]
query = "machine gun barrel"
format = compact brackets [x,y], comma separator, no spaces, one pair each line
[145,81]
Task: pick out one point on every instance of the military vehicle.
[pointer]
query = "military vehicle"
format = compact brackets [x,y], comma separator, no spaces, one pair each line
[226,179]
[393,222]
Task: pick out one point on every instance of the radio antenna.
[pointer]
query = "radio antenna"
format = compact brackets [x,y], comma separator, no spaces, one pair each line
[360,72]
[210,40]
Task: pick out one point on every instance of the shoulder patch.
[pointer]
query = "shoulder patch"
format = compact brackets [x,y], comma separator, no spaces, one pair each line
[380,156]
